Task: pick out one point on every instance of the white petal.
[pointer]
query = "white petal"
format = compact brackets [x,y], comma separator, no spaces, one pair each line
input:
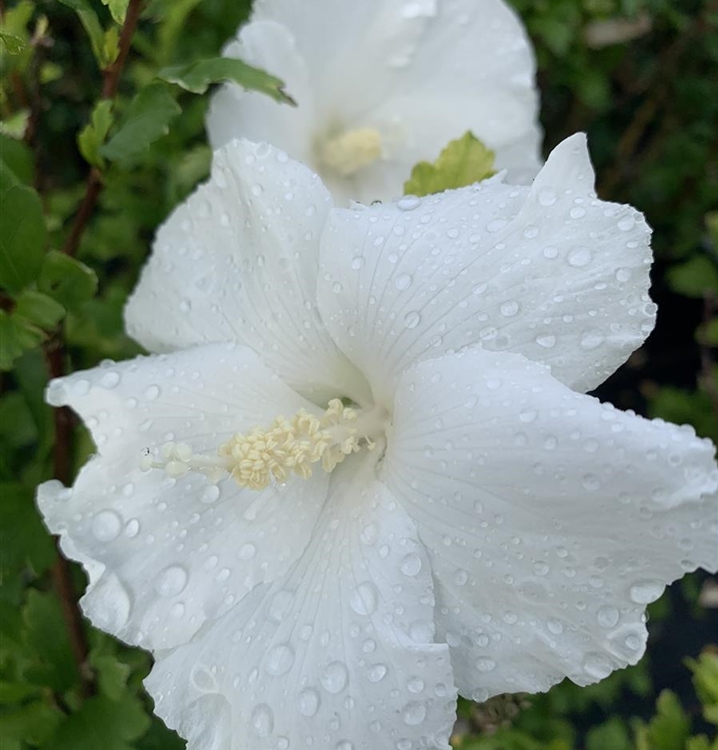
[551,519]
[236,113]
[164,555]
[474,70]
[338,654]
[368,44]
[238,261]
[548,271]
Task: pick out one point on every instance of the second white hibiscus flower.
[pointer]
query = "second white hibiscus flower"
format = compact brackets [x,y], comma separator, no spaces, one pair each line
[485,527]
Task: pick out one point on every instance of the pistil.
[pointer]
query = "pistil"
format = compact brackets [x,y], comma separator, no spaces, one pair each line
[263,456]
[350,151]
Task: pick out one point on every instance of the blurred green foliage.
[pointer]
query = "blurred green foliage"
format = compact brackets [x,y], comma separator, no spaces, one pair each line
[638,75]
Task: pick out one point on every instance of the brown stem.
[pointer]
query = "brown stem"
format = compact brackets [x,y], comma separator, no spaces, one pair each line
[645,115]
[110,83]
[61,573]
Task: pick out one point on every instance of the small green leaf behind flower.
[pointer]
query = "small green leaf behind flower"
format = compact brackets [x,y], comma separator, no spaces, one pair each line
[463,162]
[198,76]
[147,118]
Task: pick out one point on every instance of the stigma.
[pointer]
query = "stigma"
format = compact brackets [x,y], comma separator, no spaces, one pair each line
[265,456]
[350,151]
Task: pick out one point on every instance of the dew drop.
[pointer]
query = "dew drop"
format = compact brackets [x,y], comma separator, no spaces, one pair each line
[279,660]
[414,713]
[509,308]
[262,720]
[645,592]
[403,281]
[152,392]
[412,319]
[308,702]
[335,678]
[484,664]
[410,565]
[377,673]
[171,581]
[364,599]
[579,257]
[607,616]
[110,379]
[408,203]
[106,525]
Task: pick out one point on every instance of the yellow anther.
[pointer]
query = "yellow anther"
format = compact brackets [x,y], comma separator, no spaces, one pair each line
[350,151]
[263,456]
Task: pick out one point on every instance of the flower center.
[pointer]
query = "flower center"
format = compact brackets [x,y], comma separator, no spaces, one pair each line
[350,151]
[262,456]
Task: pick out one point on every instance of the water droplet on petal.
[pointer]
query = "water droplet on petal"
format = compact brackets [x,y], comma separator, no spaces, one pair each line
[410,565]
[279,660]
[262,720]
[335,677]
[308,702]
[364,599]
[171,581]
[414,713]
[106,525]
[645,592]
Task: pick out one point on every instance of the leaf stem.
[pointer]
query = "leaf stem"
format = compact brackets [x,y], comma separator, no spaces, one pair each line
[61,571]
[110,83]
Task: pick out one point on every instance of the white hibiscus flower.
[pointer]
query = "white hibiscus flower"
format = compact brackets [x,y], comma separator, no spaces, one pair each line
[465,520]
[383,84]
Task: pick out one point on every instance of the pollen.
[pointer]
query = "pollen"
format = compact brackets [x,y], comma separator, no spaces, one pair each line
[288,446]
[350,151]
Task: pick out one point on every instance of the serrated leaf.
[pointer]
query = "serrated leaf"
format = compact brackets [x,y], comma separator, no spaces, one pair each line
[118,9]
[92,26]
[669,729]
[67,280]
[32,723]
[112,674]
[705,681]
[17,336]
[463,162]
[46,637]
[13,44]
[39,309]
[23,538]
[147,119]
[612,734]
[198,76]
[94,133]
[102,723]
[23,236]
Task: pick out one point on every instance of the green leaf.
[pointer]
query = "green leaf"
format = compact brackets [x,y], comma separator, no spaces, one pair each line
[102,723]
[18,158]
[112,674]
[40,309]
[23,236]
[613,734]
[159,737]
[92,26]
[147,119]
[17,335]
[13,44]
[695,277]
[67,280]
[23,538]
[46,636]
[198,76]
[118,9]
[32,723]
[94,133]
[463,162]
[669,729]
[705,681]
